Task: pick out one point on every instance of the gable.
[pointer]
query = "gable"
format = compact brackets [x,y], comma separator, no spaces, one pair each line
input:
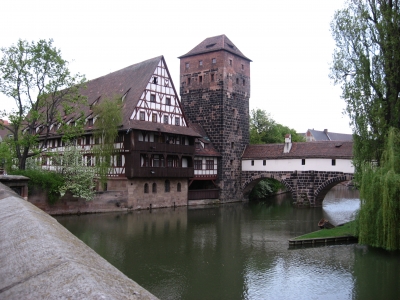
[159,102]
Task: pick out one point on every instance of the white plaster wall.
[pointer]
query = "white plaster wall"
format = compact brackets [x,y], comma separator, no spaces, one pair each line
[315,164]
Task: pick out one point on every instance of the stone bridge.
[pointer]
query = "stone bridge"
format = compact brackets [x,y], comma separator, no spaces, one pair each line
[308,188]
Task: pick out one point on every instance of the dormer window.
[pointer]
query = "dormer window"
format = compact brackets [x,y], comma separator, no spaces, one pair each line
[210,45]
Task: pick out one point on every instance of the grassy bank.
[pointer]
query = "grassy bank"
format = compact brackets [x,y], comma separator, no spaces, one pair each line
[347,229]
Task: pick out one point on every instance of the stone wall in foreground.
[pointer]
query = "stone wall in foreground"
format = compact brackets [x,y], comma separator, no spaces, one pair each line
[40,259]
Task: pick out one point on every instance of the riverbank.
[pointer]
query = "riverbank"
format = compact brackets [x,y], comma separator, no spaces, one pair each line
[339,234]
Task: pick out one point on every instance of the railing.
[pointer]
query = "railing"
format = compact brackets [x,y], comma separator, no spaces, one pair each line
[163,147]
[203,194]
[166,172]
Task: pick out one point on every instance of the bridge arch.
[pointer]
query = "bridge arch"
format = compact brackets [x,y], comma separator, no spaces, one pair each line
[324,188]
[308,188]
[251,182]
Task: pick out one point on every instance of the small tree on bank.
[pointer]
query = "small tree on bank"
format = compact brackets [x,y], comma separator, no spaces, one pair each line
[108,118]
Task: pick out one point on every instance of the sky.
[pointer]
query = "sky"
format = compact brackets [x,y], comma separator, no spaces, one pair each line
[289,43]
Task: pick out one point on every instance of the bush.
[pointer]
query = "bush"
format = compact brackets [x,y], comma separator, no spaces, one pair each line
[265,188]
[48,181]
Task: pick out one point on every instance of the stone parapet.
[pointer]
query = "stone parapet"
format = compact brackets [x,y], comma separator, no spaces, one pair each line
[40,259]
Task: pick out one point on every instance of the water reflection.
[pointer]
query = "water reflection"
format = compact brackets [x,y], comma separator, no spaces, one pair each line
[237,251]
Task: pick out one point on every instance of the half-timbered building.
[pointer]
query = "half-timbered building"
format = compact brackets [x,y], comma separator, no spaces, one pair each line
[154,159]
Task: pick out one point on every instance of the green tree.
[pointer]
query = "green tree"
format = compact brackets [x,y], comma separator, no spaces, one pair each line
[38,79]
[264,130]
[366,63]
[108,118]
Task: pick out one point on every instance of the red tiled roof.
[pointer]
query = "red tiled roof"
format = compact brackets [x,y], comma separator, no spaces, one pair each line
[326,149]
[208,149]
[215,43]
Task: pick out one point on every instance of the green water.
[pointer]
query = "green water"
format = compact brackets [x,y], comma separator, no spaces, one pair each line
[240,251]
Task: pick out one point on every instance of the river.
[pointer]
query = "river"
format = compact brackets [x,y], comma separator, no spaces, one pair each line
[240,251]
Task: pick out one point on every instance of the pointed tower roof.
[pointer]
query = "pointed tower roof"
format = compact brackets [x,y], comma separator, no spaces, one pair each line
[215,43]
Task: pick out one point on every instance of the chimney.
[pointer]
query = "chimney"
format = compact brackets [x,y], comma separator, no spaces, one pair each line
[326,131]
[288,143]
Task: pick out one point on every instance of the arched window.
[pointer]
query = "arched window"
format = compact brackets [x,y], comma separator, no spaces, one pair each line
[154,188]
[146,188]
[167,186]
[178,187]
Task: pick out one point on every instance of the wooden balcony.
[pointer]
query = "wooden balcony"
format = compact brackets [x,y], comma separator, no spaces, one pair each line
[203,194]
[165,172]
[163,148]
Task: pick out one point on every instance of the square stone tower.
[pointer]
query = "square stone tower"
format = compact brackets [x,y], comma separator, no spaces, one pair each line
[215,93]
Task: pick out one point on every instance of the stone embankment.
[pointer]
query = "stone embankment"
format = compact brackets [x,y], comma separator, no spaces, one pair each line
[40,259]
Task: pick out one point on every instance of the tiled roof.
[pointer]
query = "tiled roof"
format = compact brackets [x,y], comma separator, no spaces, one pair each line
[326,149]
[215,43]
[173,129]
[131,80]
[208,149]
[330,136]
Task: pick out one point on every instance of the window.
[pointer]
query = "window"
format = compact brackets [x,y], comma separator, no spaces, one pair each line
[212,77]
[90,122]
[167,186]
[187,65]
[119,138]
[168,101]
[200,79]
[200,63]
[155,80]
[152,98]
[209,164]
[141,116]
[197,164]
[154,188]
[177,121]
[154,118]
[119,160]
[244,82]
[178,187]
[96,140]
[333,162]
[156,161]
[252,162]
[303,161]
[44,160]
[146,188]
[230,62]
[242,66]
[188,80]
[165,119]
[214,60]
[237,80]
[88,161]
[264,162]
[88,140]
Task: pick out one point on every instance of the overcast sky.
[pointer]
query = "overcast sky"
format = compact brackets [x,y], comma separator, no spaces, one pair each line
[288,41]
